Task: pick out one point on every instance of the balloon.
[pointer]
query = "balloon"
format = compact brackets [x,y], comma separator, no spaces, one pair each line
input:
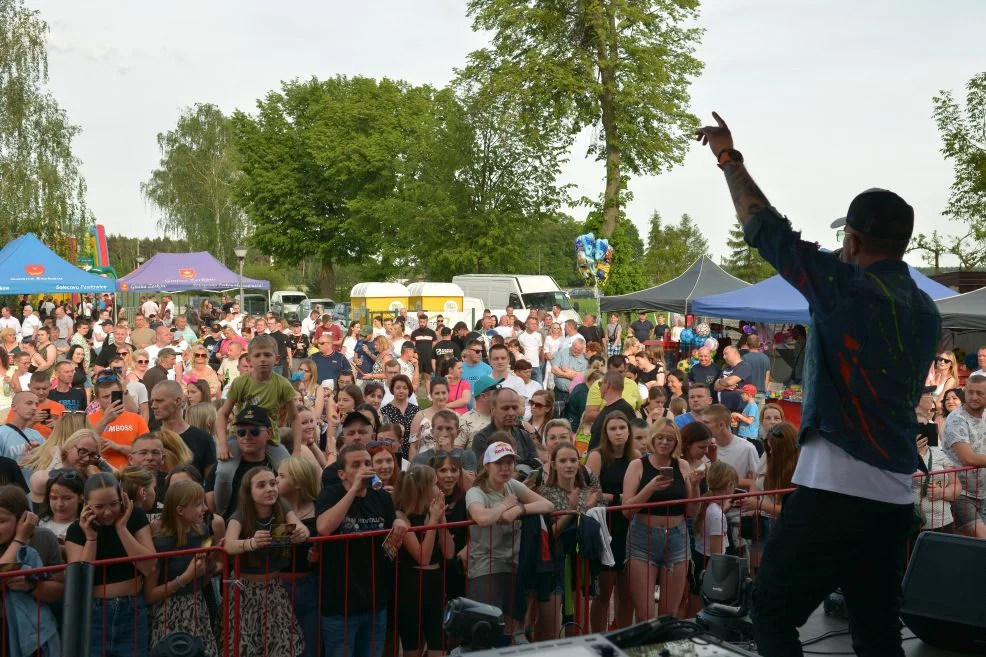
[684,366]
[703,330]
[602,271]
[686,337]
[749,329]
[711,344]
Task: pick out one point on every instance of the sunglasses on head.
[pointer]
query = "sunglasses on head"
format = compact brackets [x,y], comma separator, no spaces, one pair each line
[775,432]
[102,378]
[380,443]
[66,474]
[253,431]
[455,455]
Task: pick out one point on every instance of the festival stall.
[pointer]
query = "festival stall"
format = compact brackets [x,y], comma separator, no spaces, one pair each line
[775,301]
[186,272]
[703,278]
[27,266]
[382,299]
[964,312]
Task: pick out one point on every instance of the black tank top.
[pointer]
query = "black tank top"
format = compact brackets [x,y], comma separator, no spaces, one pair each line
[677,490]
[611,477]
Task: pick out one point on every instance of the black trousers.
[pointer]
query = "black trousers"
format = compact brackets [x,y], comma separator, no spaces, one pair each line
[823,541]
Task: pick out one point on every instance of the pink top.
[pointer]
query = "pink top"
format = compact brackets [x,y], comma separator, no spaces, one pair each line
[455,391]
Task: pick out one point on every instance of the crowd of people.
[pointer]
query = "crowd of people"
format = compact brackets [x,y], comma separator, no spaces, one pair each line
[269,440]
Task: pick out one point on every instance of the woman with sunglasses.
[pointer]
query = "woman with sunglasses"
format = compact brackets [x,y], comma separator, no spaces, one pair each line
[201,370]
[71,445]
[62,501]
[944,376]
[313,394]
[140,363]
[542,412]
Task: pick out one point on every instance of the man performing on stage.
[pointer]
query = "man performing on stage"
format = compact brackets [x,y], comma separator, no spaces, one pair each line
[871,342]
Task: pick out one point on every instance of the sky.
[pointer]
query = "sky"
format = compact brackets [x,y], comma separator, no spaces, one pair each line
[825,98]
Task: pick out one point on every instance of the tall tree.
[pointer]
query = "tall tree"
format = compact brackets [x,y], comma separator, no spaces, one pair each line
[41,189]
[963,132]
[622,67]
[745,262]
[321,161]
[192,186]
[627,272]
[673,248]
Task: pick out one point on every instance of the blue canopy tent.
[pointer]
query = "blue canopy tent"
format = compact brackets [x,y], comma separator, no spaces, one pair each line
[777,301]
[27,266]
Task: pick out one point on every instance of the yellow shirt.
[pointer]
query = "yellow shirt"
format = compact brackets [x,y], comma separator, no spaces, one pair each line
[631,394]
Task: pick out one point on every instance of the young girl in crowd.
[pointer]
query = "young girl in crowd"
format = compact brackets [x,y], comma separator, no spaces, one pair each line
[496,503]
[384,464]
[373,395]
[305,443]
[202,416]
[177,592]
[313,395]
[639,434]
[657,404]
[420,591]
[111,526]
[421,425]
[197,392]
[459,390]
[140,484]
[266,624]
[451,482]
[568,490]
[657,543]
[62,501]
[609,462]
[298,485]
[711,528]
[780,457]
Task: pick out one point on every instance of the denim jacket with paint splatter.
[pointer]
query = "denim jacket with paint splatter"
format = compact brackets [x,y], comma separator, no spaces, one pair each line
[872,340]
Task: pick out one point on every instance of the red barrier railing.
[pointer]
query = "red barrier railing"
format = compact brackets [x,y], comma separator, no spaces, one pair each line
[416,596]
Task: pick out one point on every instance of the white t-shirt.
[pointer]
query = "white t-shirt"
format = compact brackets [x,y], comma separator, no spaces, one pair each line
[138,391]
[12,323]
[308,326]
[741,454]
[349,347]
[566,342]
[149,308]
[527,391]
[506,332]
[30,325]
[531,344]
[715,525]
[822,465]
[169,310]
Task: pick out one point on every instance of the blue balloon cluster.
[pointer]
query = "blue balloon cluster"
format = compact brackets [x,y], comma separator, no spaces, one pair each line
[687,337]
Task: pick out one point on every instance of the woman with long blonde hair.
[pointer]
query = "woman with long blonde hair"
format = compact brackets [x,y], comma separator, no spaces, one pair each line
[176,452]
[202,416]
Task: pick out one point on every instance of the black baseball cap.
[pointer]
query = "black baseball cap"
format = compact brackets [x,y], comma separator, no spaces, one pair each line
[353,417]
[254,415]
[879,213]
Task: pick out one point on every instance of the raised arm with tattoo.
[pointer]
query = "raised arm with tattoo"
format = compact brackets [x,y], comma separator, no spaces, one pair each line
[747,197]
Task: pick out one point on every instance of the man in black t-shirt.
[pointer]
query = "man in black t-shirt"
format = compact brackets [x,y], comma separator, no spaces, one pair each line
[283,366]
[354,596]
[642,329]
[735,374]
[705,372]
[661,328]
[71,398]
[445,348]
[166,406]
[589,330]
[424,343]
[611,390]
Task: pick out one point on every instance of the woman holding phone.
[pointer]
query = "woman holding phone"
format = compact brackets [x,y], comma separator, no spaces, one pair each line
[657,543]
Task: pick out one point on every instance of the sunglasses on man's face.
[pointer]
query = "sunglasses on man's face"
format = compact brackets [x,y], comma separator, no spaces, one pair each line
[253,431]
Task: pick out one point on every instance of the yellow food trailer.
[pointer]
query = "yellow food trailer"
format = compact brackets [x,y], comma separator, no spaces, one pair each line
[445,298]
[377,299]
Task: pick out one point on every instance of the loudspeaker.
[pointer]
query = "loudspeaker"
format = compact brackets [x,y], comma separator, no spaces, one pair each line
[943,592]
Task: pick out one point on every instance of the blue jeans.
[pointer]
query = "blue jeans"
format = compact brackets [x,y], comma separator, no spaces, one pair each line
[119,627]
[821,541]
[304,597]
[355,635]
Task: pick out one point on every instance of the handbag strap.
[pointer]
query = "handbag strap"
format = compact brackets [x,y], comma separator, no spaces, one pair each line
[21,433]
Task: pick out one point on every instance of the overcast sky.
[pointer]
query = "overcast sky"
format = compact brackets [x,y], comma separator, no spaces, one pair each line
[825,97]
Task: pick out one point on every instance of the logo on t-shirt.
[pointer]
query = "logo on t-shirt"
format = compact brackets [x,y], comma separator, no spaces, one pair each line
[351,525]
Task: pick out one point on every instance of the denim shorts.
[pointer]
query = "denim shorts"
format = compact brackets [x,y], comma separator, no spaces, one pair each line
[656,545]
[967,510]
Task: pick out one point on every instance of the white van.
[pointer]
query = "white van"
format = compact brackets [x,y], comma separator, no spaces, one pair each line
[285,303]
[522,292]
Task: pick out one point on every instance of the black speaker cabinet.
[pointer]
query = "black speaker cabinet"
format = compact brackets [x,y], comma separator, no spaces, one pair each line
[944,586]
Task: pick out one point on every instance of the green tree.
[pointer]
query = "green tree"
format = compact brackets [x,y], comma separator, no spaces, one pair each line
[627,272]
[621,67]
[123,250]
[745,262]
[192,186]
[322,164]
[41,189]
[673,248]
[963,132]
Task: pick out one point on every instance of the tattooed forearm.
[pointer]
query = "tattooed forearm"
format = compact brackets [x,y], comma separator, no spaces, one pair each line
[747,197]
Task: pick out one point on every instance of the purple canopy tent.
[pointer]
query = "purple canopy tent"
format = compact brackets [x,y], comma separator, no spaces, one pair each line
[185,272]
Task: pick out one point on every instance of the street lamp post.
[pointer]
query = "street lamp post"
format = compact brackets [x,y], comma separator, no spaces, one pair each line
[241,252]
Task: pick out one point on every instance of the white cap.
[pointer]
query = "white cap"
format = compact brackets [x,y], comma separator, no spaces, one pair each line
[497,451]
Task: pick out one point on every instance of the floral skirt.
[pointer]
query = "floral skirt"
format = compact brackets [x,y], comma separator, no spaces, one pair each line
[263,615]
[184,613]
